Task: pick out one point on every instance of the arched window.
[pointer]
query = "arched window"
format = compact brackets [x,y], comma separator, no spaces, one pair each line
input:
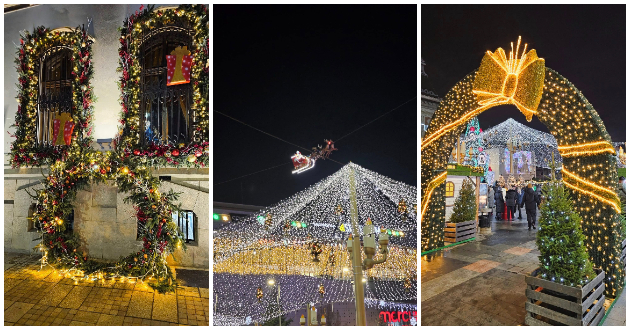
[166,111]
[450,189]
[55,94]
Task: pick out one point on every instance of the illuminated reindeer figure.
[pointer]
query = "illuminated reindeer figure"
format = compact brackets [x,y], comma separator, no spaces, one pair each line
[303,163]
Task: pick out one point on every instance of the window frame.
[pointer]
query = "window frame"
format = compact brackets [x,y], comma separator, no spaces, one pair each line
[163,39]
[62,99]
[195,240]
[446,190]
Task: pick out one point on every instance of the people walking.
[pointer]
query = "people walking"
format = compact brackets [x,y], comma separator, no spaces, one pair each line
[499,201]
[521,193]
[511,198]
[531,200]
[491,197]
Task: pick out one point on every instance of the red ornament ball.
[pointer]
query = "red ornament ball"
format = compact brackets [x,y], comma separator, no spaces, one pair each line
[175,152]
[136,152]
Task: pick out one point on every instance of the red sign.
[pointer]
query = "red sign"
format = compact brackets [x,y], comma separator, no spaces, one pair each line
[400,316]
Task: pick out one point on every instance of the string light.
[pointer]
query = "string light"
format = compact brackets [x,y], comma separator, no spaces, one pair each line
[589,164]
[247,252]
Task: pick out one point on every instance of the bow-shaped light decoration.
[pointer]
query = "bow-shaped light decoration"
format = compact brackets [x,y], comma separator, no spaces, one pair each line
[502,80]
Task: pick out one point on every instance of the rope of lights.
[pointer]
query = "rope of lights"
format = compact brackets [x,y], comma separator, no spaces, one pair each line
[582,186]
[592,148]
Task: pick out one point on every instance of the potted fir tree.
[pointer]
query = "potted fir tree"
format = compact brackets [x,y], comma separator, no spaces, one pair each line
[565,289]
[463,224]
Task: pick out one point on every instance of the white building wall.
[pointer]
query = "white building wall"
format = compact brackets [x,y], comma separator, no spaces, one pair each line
[106,224]
[106,19]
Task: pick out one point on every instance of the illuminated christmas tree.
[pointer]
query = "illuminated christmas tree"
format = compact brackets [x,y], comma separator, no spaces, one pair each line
[563,257]
[475,153]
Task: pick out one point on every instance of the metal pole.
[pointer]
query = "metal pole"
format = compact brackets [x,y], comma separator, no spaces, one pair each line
[357,264]
[216,298]
[279,316]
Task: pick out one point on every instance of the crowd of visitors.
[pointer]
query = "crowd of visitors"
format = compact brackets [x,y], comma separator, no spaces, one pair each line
[505,201]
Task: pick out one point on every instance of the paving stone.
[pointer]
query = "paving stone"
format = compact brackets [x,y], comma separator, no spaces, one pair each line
[8,303]
[141,305]
[61,303]
[75,298]
[204,292]
[110,320]
[165,307]
[16,311]
[88,317]
[436,286]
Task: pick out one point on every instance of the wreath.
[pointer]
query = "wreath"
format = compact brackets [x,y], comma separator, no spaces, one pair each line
[76,164]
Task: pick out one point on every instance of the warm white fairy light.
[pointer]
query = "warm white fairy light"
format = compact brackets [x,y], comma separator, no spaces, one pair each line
[249,253]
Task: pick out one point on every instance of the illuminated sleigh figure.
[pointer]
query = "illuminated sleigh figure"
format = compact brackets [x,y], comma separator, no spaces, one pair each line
[302,163]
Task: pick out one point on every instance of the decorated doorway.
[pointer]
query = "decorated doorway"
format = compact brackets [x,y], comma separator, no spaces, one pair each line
[589,168]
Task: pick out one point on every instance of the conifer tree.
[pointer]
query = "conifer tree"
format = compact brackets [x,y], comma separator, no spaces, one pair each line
[464,208]
[563,257]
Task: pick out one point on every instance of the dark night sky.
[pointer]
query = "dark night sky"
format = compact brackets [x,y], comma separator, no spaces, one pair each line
[305,74]
[585,44]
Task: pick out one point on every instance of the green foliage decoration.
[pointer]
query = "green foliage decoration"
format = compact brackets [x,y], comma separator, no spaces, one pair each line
[563,256]
[465,208]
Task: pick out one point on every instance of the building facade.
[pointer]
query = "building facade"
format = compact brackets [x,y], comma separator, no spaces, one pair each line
[106,225]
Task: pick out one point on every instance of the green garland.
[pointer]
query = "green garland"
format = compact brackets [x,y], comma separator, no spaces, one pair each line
[32,46]
[160,235]
[79,165]
[191,155]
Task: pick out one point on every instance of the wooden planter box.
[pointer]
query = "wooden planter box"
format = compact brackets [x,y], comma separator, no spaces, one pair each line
[457,232]
[551,303]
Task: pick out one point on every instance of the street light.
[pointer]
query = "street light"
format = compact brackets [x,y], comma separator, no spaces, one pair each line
[369,245]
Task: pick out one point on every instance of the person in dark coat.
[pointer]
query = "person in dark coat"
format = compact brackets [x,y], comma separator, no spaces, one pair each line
[531,200]
[521,193]
[511,197]
[498,201]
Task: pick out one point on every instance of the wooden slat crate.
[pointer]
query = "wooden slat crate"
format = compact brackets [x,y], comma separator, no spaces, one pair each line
[457,232]
[551,303]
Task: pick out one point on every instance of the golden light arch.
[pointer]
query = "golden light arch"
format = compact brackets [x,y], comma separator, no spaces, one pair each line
[589,167]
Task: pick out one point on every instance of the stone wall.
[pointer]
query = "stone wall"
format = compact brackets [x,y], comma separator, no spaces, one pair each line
[105,223]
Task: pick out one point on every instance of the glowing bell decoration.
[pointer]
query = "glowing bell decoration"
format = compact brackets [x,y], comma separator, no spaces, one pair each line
[268,220]
[178,66]
[259,293]
[322,290]
[338,209]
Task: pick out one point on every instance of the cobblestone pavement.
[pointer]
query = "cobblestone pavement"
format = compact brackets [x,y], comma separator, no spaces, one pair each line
[33,297]
[483,282]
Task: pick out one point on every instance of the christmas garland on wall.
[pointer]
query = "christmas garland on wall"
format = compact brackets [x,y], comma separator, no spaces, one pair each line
[77,164]
[24,152]
[61,249]
[128,141]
